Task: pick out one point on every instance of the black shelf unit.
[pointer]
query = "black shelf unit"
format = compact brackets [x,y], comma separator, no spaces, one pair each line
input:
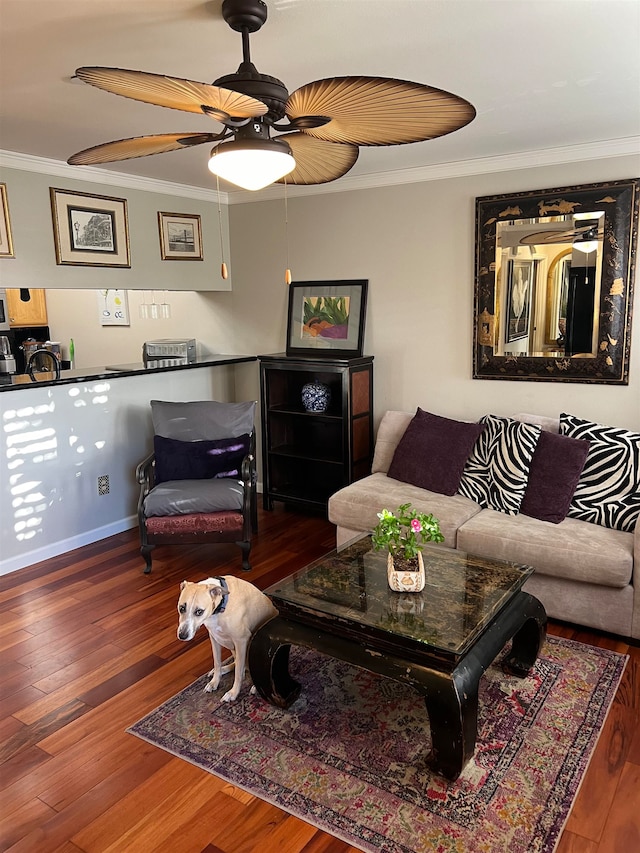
[307,456]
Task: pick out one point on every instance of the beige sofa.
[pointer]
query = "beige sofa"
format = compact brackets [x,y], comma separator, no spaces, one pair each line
[585,573]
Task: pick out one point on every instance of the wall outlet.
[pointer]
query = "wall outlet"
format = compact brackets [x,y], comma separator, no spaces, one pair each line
[103,484]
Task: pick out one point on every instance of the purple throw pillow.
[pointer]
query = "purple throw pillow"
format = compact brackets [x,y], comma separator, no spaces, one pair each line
[553,476]
[198,460]
[432,452]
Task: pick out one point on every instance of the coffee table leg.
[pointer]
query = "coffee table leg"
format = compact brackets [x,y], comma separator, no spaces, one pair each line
[453,720]
[528,638]
[269,666]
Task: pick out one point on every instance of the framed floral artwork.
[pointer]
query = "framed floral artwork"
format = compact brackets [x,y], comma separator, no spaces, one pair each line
[326,318]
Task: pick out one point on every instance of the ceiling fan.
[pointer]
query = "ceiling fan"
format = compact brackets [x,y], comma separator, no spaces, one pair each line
[326,120]
[586,233]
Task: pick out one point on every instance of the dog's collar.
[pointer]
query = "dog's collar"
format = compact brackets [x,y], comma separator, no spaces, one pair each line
[225,596]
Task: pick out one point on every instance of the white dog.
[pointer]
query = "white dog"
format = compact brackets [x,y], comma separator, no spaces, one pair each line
[231,610]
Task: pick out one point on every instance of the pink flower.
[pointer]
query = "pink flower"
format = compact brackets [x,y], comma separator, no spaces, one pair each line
[415,525]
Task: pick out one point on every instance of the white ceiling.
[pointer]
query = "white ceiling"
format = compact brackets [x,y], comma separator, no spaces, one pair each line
[542,74]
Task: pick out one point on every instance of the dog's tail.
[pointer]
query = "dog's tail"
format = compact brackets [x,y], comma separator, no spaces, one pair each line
[228,666]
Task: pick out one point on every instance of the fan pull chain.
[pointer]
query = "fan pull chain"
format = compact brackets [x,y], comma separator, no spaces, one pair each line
[223,267]
[287,272]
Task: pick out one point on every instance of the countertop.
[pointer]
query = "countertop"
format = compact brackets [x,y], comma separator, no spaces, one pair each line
[16,381]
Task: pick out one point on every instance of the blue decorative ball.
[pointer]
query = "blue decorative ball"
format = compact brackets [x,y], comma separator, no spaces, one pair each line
[316,396]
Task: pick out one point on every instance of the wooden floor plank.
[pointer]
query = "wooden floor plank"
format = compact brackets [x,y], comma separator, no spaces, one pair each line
[150,813]
[599,788]
[13,638]
[17,825]
[30,735]
[64,644]
[572,843]
[96,801]
[622,828]
[292,835]
[125,659]
[255,827]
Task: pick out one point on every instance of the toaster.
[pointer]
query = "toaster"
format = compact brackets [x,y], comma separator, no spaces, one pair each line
[167,352]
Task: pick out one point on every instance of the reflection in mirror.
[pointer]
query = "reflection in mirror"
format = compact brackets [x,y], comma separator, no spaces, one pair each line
[554,283]
[548,282]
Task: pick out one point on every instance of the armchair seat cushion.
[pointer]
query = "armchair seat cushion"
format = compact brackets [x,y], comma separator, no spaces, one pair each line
[182,497]
[193,523]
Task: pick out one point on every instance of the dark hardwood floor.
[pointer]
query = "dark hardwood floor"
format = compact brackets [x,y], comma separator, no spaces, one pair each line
[89,646]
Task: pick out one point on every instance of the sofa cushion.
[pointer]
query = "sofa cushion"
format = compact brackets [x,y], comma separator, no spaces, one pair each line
[553,476]
[572,549]
[608,492]
[180,497]
[356,505]
[496,473]
[392,428]
[432,452]
[201,420]
[607,608]
[198,460]
[543,421]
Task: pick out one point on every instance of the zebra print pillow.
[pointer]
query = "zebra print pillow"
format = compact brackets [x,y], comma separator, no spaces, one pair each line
[496,473]
[608,491]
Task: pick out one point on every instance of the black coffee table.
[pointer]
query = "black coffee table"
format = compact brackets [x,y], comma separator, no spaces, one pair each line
[440,641]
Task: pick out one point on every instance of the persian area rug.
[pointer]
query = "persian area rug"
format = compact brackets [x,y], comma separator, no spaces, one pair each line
[348,755]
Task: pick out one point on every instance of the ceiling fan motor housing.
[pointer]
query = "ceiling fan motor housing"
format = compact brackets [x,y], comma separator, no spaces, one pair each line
[248,81]
[247,15]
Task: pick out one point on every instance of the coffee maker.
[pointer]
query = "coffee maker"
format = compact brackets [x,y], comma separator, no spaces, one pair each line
[7,338]
[7,358]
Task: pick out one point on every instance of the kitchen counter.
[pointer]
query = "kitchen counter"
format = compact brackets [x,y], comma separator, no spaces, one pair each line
[16,381]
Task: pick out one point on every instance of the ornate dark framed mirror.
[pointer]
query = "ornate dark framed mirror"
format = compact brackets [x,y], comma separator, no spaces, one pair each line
[554,283]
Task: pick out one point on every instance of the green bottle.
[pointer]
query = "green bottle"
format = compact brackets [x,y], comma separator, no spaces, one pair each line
[72,352]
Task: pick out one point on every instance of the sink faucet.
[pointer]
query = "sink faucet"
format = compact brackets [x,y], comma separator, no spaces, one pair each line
[56,363]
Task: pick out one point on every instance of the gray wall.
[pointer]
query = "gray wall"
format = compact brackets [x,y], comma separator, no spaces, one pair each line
[35,264]
[415,244]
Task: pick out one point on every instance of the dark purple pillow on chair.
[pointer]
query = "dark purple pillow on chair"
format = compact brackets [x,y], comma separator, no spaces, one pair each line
[553,476]
[198,460]
[432,452]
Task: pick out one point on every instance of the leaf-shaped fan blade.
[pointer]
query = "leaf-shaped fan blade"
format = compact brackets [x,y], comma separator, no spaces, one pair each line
[555,236]
[379,110]
[172,92]
[139,146]
[317,161]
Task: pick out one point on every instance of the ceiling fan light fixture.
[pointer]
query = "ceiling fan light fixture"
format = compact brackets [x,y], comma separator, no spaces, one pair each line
[586,246]
[252,163]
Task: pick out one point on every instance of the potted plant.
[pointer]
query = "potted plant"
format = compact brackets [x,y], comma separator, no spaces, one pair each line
[403,533]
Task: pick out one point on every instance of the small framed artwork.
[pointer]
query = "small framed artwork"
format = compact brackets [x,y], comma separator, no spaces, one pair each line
[6,243]
[180,237]
[326,318]
[520,288]
[90,230]
[113,308]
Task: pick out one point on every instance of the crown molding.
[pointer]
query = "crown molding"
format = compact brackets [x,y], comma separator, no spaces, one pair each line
[455,169]
[60,169]
[437,172]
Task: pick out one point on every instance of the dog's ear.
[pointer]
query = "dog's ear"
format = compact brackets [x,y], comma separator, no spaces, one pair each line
[182,585]
[215,589]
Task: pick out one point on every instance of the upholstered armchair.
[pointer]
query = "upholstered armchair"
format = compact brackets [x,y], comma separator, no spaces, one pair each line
[199,484]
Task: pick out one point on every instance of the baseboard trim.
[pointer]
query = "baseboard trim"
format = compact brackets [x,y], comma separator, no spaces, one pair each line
[53,549]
